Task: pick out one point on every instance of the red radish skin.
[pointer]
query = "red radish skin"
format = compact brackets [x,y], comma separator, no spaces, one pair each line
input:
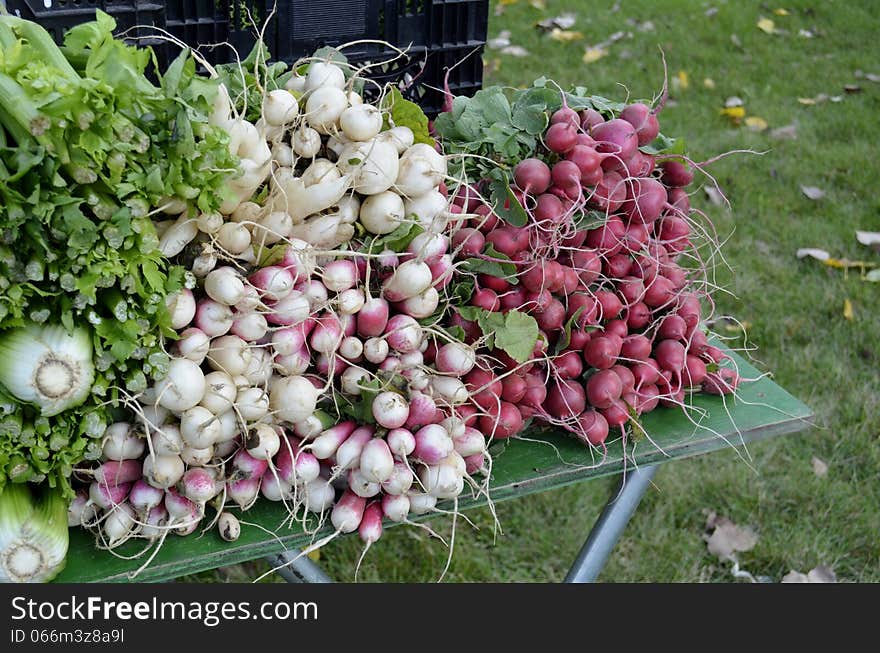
[616,137]
[603,388]
[578,340]
[587,264]
[513,299]
[659,292]
[587,160]
[627,380]
[676,174]
[503,421]
[588,307]
[672,327]
[617,414]
[560,137]
[617,328]
[593,426]
[636,347]
[694,371]
[566,399]
[645,200]
[513,388]
[487,299]
[645,373]
[638,316]
[608,238]
[610,193]
[468,241]
[485,388]
[536,391]
[617,266]
[670,355]
[609,303]
[601,352]
[723,382]
[631,289]
[565,114]
[532,176]
[640,116]
[552,318]
[590,118]
[647,398]
[567,365]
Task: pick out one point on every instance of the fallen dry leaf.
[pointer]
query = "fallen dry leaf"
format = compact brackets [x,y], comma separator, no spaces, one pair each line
[873,276]
[788,132]
[820,574]
[682,79]
[820,467]
[767,26]
[711,11]
[819,254]
[781,12]
[727,537]
[805,33]
[812,192]
[756,124]
[515,51]
[736,40]
[563,21]
[594,54]
[709,83]
[852,88]
[847,310]
[538,4]
[869,238]
[565,36]
[871,77]
[500,41]
[647,26]
[714,196]
[733,101]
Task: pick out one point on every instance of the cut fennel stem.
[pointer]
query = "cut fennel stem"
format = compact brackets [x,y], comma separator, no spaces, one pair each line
[33,534]
[46,366]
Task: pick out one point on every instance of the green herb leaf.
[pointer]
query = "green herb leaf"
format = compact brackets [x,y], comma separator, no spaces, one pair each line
[500,269]
[406,114]
[518,336]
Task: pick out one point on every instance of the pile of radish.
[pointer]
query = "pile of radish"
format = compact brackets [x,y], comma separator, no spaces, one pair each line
[360,323]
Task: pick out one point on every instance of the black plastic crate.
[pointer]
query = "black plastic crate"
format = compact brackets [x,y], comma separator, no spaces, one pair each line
[437,34]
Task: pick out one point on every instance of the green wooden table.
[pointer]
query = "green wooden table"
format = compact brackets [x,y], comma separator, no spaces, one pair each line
[762,410]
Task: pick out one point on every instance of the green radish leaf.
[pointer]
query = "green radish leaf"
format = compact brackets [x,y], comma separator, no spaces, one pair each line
[498,269]
[664,145]
[518,336]
[470,313]
[565,338]
[502,194]
[406,114]
[397,241]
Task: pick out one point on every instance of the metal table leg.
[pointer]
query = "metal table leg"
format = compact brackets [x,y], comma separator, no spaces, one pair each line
[608,528]
[302,570]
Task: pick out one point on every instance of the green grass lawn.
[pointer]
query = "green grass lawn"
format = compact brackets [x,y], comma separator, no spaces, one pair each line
[795,308]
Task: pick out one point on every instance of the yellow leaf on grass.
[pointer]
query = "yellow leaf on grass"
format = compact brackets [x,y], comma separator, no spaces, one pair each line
[594,54]
[683,79]
[507,2]
[538,4]
[565,35]
[847,309]
[756,124]
[767,26]
[735,114]
[807,100]
[709,82]
[781,12]
[315,555]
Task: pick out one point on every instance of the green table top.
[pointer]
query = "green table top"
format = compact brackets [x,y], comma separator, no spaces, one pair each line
[761,410]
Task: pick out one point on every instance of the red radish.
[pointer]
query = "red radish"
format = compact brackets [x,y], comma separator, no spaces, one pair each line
[468,241]
[638,315]
[608,238]
[631,289]
[487,299]
[403,333]
[467,414]
[635,238]
[565,399]
[659,292]
[698,343]
[603,388]
[549,207]
[470,442]
[617,266]
[645,200]
[567,365]
[670,355]
[636,347]
[674,232]
[647,398]
[484,387]
[471,329]
[639,165]
[675,173]
[422,410]
[610,304]
[616,137]
[645,372]
[487,220]
[503,421]
[694,371]
[588,307]
[722,382]
[536,391]
[610,193]
[560,137]
[497,284]
[508,240]
[370,528]
[593,426]
[617,328]
[679,200]
[115,472]
[616,414]
[537,302]
[587,264]
[672,327]
[513,388]
[108,496]
[578,340]
[552,318]
[640,116]
[601,352]
[627,380]
[590,118]
[565,114]
[587,160]
[570,280]
[532,176]
[513,299]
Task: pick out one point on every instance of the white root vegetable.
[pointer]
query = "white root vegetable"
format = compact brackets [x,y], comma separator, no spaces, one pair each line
[409,279]
[163,471]
[282,154]
[422,305]
[209,223]
[224,285]
[121,442]
[220,392]
[430,210]
[382,213]
[252,403]
[320,170]
[348,208]
[273,227]
[234,237]
[182,308]
[322,73]
[271,133]
[193,344]
[199,427]
[247,212]
[178,236]
[373,166]
[280,107]
[229,354]
[292,398]
[194,457]
[324,106]
[361,122]
[292,196]
[183,386]
[401,138]
[166,441]
[352,378]
[262,442]
[318,495]
[228,526]
[422,169]
[306,142]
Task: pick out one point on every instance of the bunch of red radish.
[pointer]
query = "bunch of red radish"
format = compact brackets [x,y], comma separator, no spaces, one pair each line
[599,268]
